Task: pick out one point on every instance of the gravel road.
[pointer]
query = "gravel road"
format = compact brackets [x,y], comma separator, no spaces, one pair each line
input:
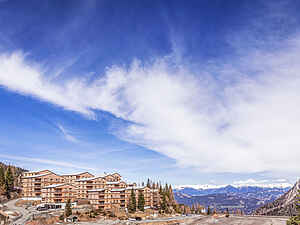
[25,213]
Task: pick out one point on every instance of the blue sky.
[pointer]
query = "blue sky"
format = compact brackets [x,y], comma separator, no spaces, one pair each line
[186,92]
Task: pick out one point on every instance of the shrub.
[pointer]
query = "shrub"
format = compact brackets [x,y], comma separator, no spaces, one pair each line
[61,217]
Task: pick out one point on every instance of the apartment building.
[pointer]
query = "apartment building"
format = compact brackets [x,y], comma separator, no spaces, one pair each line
[59,193]
[71,178]
[108,181]
[34,182]
[105,191]
[107,199]
[86,184]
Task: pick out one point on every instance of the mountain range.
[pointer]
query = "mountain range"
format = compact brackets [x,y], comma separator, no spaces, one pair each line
[246,198]
[283,206]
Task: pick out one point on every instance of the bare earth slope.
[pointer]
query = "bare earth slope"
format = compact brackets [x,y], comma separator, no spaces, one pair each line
[283,206]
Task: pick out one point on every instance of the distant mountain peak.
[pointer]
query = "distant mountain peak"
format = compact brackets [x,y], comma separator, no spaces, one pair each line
[236,185]
[246,196]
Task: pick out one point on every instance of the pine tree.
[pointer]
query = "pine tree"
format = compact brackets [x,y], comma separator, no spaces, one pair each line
[208,210]
[9,182]
[160,189]
[68,209]
[132,202]
[166,190]
[171,195]
[141,201]
[227,213]
[193,209]
[164,203]
[9,179]
[2,177]
[148,183]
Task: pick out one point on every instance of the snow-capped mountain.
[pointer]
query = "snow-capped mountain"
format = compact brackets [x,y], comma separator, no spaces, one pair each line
[237,184]
[244,195]
[283,206]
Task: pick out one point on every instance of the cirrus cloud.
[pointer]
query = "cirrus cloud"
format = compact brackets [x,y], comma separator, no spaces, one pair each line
[236,122]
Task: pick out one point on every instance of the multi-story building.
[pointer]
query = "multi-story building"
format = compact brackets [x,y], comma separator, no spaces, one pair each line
[86,184]
[71,178]
[59,193]
[105,192]
[108,198]
[33,182]
[109,181]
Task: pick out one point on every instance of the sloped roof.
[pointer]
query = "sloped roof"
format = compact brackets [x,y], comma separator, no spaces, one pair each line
[91,178]
[118,189]
[40,175]
[58,185]
[76,174]
[95,190]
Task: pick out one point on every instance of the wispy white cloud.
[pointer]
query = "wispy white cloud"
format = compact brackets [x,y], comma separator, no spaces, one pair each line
[64,164]
[66,134]
[247,120]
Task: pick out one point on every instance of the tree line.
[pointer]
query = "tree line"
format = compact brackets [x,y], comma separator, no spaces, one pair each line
[167,202]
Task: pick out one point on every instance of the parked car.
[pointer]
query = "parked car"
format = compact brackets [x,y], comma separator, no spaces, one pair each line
[137,218]
[42,207]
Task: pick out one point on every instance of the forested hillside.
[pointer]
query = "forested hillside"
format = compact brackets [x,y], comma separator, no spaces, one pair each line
[283,206]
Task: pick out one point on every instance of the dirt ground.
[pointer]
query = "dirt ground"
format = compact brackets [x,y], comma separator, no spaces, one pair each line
[239,221]
[201,221]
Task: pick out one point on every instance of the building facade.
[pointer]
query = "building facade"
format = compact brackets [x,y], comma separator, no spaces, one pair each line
[59,193]
[34,182]
[105,192]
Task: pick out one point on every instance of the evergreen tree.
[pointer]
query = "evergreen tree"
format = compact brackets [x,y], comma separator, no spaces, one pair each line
[68,209]
[141,201]
[171,195]
[227,213]
[8,182]
[164,203]
[160,189]
[193,209]
[148,183]
[166,190]
[132,202]
[208,210]
[2,177]
[9,179]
